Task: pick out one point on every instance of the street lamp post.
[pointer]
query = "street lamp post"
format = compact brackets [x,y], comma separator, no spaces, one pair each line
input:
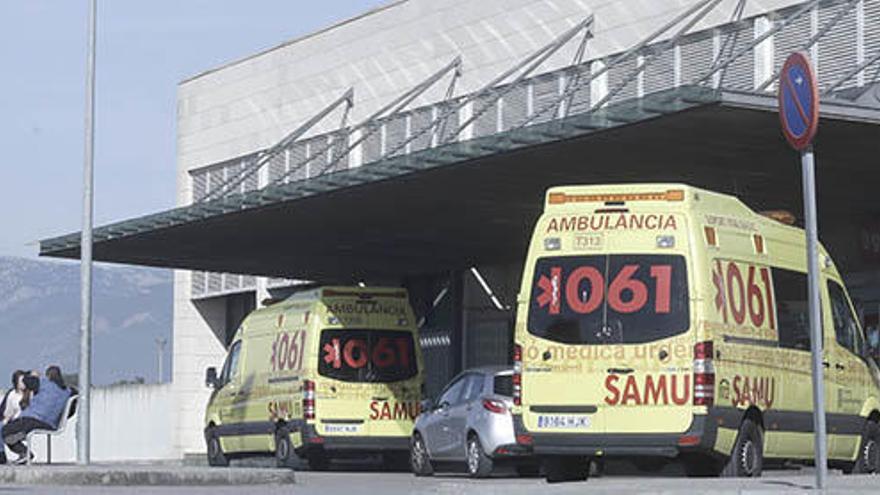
[83,452]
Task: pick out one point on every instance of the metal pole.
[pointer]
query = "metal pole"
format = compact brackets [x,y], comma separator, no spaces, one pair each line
[812,232]
[83,454]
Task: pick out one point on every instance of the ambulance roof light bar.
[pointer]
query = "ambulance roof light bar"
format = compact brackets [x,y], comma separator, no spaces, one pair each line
[558,198]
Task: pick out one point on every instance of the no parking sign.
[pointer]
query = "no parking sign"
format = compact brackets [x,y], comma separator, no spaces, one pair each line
[798,101]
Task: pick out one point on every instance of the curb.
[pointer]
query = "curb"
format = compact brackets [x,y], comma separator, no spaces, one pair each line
[142,476]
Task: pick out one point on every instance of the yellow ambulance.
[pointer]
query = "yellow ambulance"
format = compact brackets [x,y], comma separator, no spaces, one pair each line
[331,372]
[661,321]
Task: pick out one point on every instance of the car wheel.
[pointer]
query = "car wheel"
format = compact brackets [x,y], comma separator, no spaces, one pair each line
[284,454]
[747,458]
[419,461]
[868,461]
[479,465]
[566,468]
[216,457]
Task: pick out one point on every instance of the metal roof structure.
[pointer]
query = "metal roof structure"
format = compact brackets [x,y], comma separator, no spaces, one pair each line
[474,201]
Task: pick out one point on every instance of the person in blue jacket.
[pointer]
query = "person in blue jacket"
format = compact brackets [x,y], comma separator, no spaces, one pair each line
[50,395]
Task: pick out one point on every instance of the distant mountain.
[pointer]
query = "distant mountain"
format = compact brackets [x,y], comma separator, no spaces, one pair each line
[39,319]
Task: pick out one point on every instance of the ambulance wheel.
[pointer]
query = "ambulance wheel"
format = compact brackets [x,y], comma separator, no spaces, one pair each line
[284,454]
[566,468]
[419,461]
[216,457]
[747,457]
[868,461]
[479,465]
[318,461]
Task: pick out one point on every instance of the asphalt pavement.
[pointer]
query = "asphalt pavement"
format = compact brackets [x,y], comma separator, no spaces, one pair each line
[378,483]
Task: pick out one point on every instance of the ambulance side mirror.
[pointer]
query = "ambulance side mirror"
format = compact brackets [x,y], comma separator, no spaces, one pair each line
[211,379]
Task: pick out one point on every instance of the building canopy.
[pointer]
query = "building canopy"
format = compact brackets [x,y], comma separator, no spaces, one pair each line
[475,202]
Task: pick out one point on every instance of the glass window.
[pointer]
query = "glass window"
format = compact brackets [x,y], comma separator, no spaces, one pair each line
[846,330]
[473,388]
[792,309]
[376,356]
[609,299]
[503,385]
[453,391]
[230,367]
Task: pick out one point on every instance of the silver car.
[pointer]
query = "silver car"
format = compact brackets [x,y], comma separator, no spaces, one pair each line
[470,425]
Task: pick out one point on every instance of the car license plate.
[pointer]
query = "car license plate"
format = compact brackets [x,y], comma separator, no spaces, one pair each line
[567,421]
[342,429]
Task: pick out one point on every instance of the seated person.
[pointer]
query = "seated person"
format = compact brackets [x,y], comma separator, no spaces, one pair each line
[16,398]
[43,413]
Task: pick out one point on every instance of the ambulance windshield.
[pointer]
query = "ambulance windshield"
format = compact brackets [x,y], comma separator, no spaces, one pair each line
[376,356]
[609,299]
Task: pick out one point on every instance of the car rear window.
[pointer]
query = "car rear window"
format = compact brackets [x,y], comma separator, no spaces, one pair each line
[503,385]
[375,356]
[609,299]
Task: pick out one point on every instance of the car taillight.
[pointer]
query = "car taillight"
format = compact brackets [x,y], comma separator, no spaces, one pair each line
[494,406]
[517,374]
[704,374]
[308,399]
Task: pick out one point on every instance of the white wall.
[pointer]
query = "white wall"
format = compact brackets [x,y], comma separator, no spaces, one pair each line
[195,348]
[129,423]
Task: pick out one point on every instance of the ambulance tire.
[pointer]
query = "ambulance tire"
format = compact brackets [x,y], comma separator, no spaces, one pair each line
[868,461]
[216,457]
[747,457]
[566,468]
[285,457]
[479,465]
[419,460]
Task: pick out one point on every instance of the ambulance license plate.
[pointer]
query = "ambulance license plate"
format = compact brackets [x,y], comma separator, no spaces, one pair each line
[567,421]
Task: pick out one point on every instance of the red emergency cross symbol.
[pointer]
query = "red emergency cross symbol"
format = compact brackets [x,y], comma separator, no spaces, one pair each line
[333,356]
[550,290]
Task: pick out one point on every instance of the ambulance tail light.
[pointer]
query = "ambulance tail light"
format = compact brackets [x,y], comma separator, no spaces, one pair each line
[704,374]
[517,375]
[308,399]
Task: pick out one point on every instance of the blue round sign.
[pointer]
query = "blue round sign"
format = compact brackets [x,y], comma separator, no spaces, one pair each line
[798,101]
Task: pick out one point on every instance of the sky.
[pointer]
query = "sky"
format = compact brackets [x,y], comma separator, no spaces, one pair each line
[145,48]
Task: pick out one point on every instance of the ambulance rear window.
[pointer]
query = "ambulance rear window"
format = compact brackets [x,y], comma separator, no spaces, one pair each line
[609,299]
[373,356]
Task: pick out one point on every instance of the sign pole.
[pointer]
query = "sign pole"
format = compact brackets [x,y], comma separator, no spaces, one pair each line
[798,99]
[816,345]
[83,430]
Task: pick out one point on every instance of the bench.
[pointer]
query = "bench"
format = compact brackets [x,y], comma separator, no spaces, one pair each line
[68,412]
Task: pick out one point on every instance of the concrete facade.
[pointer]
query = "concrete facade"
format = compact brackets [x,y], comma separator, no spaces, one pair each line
[248,105]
